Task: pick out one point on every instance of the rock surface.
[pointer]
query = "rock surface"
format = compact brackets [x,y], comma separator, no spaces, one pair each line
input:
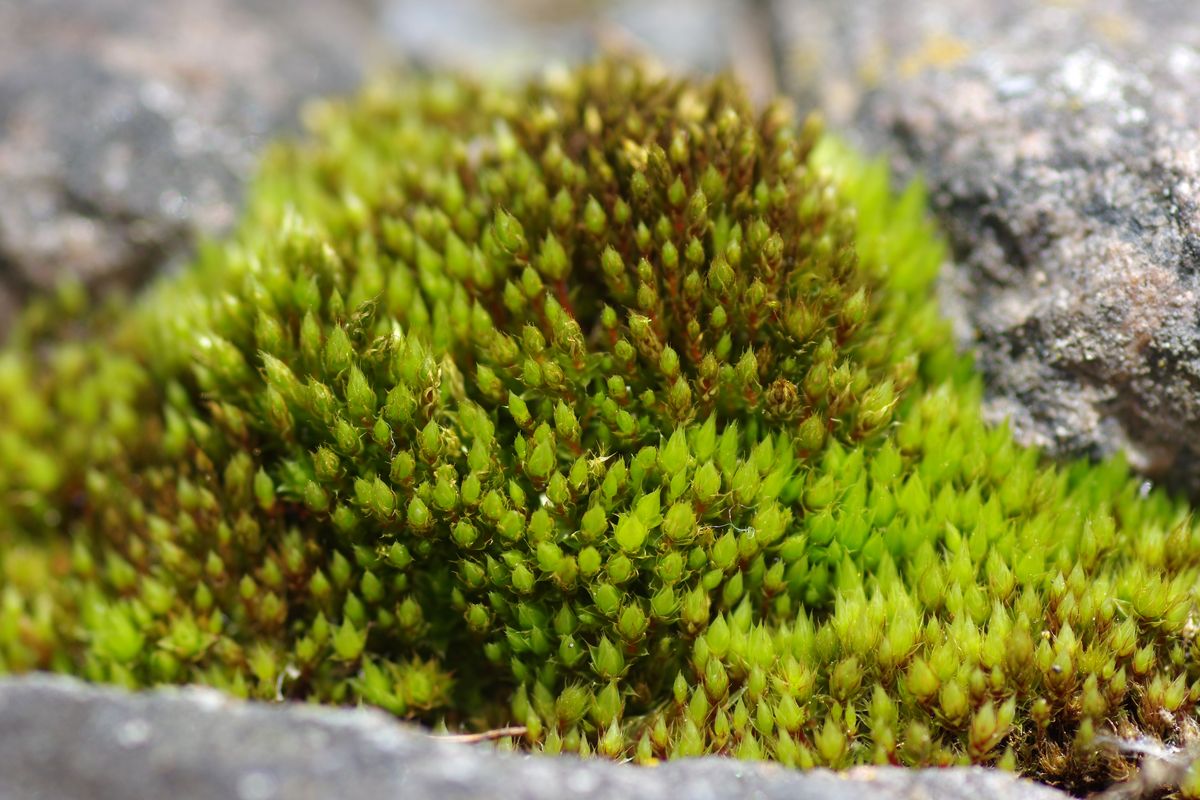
[1062,149]
[520,36]
[66,740]
[127,127]
[835,55]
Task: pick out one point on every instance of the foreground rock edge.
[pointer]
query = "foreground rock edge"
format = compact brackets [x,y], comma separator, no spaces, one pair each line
[66,739]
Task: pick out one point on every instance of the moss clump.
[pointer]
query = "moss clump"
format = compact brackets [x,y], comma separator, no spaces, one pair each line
[605,406]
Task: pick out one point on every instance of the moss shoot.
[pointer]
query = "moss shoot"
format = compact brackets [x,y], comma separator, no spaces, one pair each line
[605,406]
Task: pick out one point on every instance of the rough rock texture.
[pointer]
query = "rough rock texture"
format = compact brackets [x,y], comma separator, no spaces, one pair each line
[1069,194]
[65,740]
[1061,143]
[126,126]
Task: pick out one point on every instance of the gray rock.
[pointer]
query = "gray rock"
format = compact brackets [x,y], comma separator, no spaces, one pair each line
[521,36]
[128,127]
[834,54]
[1061,143]
[64,740]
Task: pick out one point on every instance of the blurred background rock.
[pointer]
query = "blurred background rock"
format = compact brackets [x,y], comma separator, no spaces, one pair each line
[126,126]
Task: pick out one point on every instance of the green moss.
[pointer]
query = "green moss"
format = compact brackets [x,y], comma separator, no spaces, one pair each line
[604,406]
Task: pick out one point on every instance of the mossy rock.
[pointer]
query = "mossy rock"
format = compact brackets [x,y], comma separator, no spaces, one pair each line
[606,406]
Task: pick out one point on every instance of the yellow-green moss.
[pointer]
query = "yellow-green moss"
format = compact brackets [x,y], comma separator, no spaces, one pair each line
[604,406]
